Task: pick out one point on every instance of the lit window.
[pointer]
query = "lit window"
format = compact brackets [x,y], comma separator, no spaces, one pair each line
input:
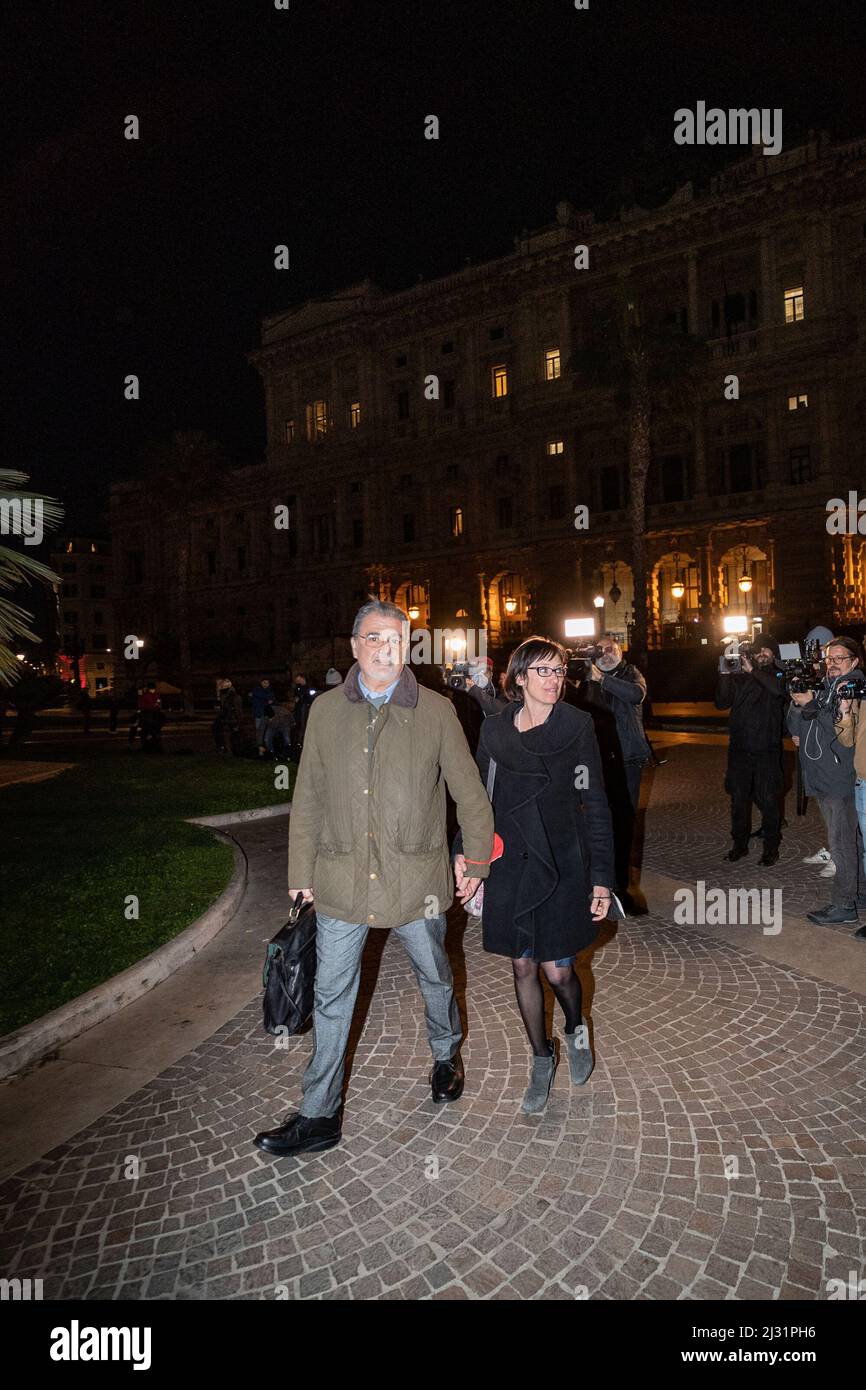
[800,402]
[355,414]
[317,419]
[500,382]
[552,365]
[456,516]
[794,305]
[555,446]
[290,436]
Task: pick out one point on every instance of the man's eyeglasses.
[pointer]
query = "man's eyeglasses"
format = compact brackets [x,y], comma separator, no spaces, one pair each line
[545,671]
[380,639]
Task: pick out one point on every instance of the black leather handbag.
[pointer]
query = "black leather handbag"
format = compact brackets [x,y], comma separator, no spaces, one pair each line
[289,975]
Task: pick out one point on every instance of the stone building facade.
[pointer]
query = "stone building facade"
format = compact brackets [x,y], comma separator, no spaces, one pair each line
[432,445]
[85,611]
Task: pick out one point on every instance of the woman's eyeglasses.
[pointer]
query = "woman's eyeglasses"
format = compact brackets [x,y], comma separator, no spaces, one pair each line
[545,671]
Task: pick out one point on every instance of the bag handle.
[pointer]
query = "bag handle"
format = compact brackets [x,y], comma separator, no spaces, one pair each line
[295,910]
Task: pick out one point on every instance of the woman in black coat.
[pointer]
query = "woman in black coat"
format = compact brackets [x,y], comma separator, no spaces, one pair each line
[546,895]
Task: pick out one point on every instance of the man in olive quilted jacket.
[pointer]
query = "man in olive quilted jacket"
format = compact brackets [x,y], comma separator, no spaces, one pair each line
[367,844]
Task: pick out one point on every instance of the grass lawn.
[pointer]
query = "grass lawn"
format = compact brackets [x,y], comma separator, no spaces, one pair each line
[74,847]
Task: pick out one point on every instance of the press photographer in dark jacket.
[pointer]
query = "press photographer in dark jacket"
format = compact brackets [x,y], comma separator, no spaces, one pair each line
[755,695]
[613,692]
[828,774]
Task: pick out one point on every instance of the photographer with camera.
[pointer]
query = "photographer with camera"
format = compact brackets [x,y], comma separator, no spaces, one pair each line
[752,687]
[613,690]
[479,684]
[828,771]
[851,732]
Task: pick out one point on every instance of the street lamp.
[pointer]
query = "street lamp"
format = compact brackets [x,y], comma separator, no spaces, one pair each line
[510,604]
[414,612]
[744,583]
[598,601]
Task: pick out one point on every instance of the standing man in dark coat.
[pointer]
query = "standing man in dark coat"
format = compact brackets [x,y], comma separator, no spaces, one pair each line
[755,695]
[230,718]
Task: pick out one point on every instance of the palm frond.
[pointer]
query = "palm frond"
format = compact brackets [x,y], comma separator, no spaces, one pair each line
[17,567]
[13,631]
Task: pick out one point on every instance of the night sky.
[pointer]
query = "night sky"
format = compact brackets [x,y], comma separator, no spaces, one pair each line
[306,127]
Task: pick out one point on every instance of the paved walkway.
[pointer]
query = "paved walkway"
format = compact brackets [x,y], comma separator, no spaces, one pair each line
[719,1149]
[12,772]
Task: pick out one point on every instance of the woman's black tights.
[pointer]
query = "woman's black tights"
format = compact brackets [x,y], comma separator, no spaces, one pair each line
[530,998]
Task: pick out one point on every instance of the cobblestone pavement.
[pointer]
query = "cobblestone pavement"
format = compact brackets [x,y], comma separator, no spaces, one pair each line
[688,833]
[719,1149]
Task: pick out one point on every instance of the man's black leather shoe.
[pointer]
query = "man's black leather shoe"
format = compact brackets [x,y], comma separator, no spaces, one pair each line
[300,1134]
[738,852]
[446,1080]
[770,856]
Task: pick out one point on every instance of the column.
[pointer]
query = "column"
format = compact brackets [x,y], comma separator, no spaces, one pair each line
[700,452]
[694,311]
[770,310]
[774,443]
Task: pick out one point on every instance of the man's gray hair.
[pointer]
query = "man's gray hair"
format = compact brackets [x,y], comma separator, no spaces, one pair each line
[382,608]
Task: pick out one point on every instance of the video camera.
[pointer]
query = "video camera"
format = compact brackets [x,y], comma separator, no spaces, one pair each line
[579,660]
[459,675]
[734,662]
[803,671]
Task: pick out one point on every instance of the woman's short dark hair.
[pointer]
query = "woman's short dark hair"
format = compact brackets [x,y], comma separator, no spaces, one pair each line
[525,656]
[851,647]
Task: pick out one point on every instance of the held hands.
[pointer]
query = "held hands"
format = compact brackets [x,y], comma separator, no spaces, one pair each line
[802,697]
[746,663]
[307,892]
[600,903]
[466,887]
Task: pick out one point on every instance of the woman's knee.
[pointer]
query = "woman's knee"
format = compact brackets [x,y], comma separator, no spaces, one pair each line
[556,974]
[524,967]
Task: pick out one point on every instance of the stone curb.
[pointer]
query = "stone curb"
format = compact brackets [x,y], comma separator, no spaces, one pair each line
[237,817]
[32,1042]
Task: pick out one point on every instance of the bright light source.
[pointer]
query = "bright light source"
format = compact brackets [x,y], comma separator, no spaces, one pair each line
[678,588]
[20,656]
[736,623]
[580,627]
[599,600]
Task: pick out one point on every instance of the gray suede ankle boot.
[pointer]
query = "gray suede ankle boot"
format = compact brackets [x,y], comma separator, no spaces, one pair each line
[580,1058]
[540,1082]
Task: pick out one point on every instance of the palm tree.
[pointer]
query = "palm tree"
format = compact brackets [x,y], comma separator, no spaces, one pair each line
[17,567]
[178,474]
[650,368]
